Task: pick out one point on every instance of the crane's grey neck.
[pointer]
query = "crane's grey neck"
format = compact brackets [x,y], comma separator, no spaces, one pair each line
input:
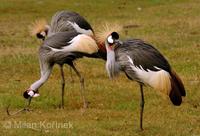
[45,73]
[112,66]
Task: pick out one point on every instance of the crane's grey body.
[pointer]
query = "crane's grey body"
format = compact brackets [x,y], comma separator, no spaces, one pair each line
[48,58]
[144,56]
[57,41]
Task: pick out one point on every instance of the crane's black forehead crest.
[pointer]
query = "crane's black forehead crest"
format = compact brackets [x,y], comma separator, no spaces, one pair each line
[115,35]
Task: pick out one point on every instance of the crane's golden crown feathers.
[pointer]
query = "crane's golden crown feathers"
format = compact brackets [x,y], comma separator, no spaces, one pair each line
[105,30]
[38,26]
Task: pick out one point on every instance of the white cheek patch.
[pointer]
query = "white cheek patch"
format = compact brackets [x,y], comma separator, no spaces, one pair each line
[110,40]
[31,93]
[43,33]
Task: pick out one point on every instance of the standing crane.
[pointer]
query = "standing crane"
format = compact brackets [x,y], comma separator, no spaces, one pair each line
[62,48]
[74,25]
[68,37]
[143,63]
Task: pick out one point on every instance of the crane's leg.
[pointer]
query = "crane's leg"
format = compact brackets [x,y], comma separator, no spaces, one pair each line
[71,74]
[141,106]
[26,108]
[63,86]
[85,105]
[29,103]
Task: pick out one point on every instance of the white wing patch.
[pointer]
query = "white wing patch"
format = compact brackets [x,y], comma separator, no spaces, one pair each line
[80,43]
[81,30]
[159,80]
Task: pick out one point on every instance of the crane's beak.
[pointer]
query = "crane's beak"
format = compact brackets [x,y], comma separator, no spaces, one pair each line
[112,46]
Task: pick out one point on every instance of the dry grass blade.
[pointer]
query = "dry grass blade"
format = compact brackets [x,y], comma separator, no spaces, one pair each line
[130,26]
[26,108]
[9,114]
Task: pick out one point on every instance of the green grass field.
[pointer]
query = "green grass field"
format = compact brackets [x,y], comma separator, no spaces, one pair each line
[172,26]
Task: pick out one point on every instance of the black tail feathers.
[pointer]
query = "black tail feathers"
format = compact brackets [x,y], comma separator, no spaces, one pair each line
[177,89]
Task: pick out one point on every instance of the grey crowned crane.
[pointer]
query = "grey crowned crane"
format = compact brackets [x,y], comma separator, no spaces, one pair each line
[68,38]
[143,63]
[62,48]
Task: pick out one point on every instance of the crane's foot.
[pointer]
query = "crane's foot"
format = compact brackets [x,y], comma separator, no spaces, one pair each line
[85,105]
[61,106]
[141,129]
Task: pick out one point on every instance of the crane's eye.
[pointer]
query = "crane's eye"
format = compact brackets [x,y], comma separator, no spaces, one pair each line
[110,40]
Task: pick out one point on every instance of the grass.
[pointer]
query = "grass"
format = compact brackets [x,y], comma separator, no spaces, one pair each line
[171,26]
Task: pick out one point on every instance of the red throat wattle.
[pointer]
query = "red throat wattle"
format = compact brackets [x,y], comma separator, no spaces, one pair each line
[102,47]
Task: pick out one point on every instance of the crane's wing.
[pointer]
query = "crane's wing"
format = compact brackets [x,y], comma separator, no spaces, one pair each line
[71,41]
[60,39]
[64,21]
[143,55]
